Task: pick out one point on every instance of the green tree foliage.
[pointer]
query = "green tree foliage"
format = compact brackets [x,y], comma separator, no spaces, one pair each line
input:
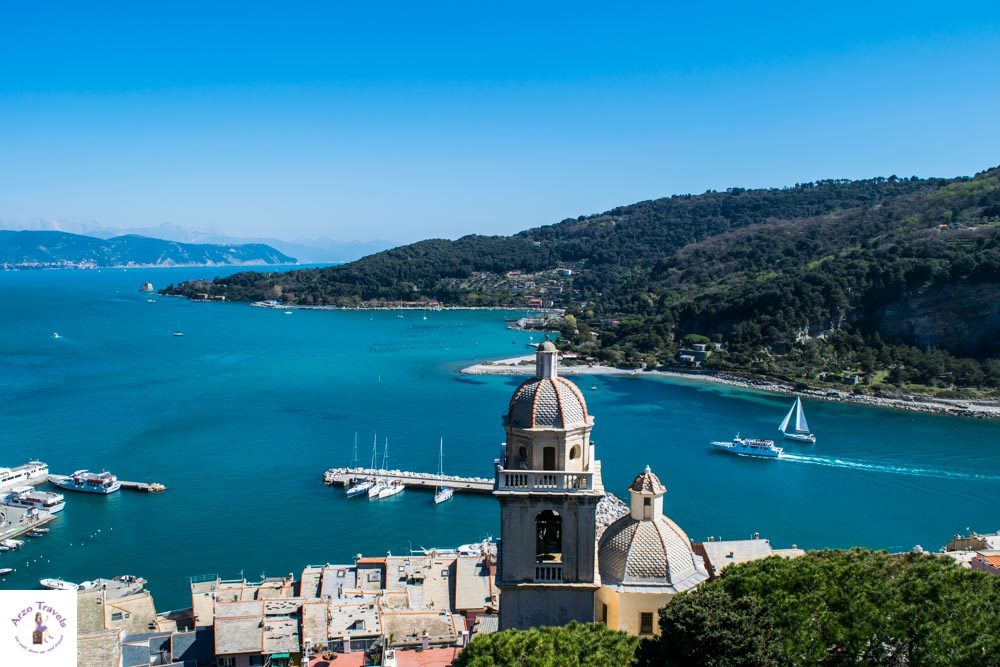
[828,276]
[573,645]
[836,608]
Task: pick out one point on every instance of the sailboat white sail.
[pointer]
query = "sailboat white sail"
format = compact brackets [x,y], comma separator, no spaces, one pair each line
[800,432]
[442,493]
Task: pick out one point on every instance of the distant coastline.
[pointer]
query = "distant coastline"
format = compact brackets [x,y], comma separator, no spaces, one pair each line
[94,267]
[524,365]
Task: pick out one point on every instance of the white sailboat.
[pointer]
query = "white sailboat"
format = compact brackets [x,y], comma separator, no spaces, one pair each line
[393,487]
[442,493]
[800,432]
[360,486]
[377,484]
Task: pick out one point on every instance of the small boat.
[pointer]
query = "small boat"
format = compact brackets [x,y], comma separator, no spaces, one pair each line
[360,486]
[391,489]
[150,300]
[593,387]
[146,287]
[3,548]
[399,315]
[5,570]
[178,333]
[58,585]
[800,432]
[55,334]
[443,492]
[388,488]
[751,447]
[12,543]
[288,312]
[88,482]
[40,531]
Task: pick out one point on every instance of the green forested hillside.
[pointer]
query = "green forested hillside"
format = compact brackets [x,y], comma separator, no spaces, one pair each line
[893,278]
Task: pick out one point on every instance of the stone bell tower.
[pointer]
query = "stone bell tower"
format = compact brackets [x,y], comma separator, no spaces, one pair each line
[548,484]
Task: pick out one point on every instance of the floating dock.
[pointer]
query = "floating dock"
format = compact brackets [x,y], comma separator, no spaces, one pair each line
[421,480]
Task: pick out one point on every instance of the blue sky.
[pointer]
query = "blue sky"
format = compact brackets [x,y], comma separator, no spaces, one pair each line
[411,120]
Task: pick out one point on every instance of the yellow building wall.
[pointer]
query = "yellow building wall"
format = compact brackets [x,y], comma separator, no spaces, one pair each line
[625,609]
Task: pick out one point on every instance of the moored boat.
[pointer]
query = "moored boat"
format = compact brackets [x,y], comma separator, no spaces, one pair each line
[11,543]
[799,429]
[28,497]
[391,489]
[360,487]
[88,482]
[758,447]
[32,472]
[58,585]
[443,492]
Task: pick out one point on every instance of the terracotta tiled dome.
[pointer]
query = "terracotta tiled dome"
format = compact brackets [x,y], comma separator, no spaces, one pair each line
[548,402]
[649,552]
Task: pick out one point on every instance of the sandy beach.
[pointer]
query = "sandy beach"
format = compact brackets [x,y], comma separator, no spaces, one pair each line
[525,365]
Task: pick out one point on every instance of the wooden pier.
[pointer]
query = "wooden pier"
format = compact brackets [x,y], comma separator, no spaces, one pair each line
[420,480]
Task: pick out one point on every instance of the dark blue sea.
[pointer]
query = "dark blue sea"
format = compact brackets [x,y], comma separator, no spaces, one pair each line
[241,415]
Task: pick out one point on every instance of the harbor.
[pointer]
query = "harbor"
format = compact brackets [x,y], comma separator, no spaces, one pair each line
[419,480]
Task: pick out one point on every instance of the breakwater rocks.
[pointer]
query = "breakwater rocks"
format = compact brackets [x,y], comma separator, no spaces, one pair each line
[609,509]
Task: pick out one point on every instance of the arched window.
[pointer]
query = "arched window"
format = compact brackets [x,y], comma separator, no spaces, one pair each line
[548,537]
[574,452]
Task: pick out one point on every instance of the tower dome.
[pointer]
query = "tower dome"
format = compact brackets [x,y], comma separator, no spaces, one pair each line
[646,548]
[547,400]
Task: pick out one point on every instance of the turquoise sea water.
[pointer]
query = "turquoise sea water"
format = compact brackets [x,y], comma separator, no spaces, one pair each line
[241,415]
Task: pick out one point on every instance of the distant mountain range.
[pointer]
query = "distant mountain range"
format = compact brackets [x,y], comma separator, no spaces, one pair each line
[50,249]
[312,250]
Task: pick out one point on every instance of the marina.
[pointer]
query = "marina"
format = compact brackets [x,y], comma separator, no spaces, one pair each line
[418,480]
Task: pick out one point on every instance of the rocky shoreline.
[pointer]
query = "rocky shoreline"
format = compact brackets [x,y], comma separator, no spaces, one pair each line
[524,365]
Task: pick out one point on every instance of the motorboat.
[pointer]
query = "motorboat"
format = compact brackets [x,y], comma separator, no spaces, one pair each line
[87,482]
[758,447]
[58,585]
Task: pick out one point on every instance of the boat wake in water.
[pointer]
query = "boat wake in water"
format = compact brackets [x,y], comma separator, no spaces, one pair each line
[893,469]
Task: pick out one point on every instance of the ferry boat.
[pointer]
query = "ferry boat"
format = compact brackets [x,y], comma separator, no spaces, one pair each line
[32,472]
[799,431]
[57,585]
[28,497]
[88,482]
[751,447]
